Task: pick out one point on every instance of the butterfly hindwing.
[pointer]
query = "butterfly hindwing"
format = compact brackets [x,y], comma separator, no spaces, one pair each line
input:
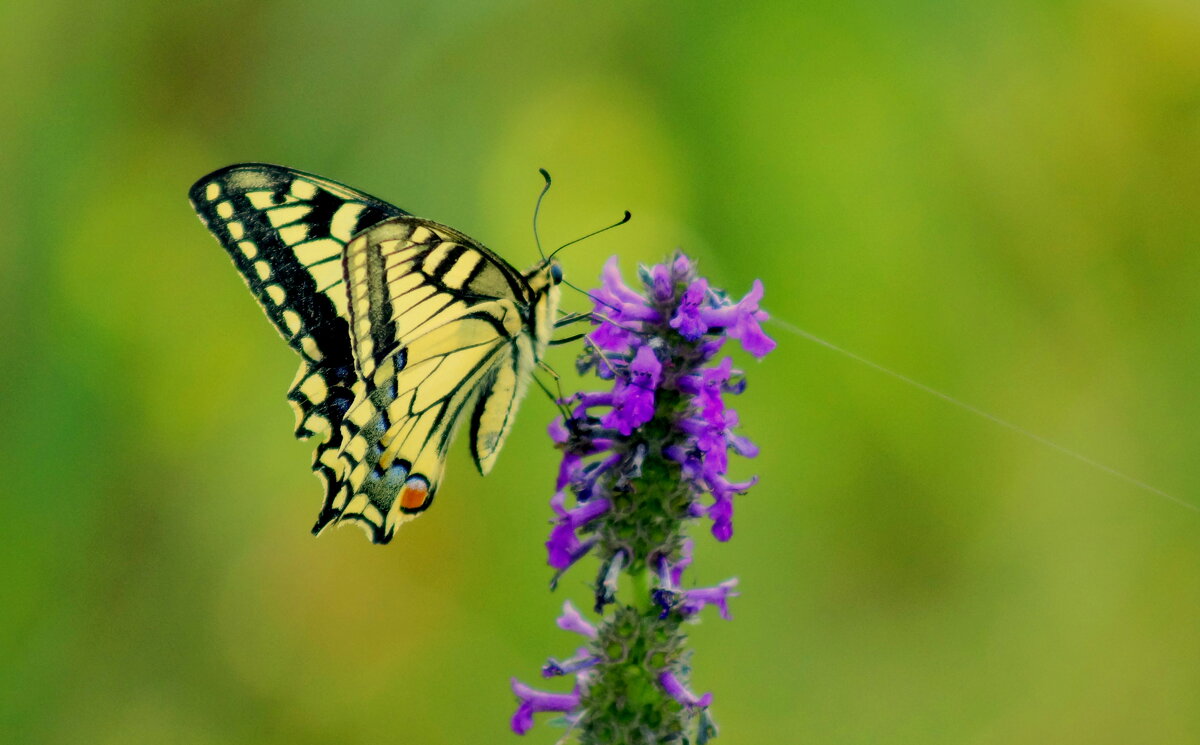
[494,412]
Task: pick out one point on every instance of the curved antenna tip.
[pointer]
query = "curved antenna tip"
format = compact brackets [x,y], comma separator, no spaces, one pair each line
[622,221]
[538,206]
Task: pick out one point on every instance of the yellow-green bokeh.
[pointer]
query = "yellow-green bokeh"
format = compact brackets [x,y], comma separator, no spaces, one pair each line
[999,199]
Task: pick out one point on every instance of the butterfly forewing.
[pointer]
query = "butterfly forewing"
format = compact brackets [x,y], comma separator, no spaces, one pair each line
[286,231]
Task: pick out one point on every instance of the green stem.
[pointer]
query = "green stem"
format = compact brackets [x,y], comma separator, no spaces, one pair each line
[640,586]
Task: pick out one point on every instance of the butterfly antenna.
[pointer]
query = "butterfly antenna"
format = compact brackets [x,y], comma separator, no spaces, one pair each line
[559,401]
[537,207]
[620,222]
[587,294]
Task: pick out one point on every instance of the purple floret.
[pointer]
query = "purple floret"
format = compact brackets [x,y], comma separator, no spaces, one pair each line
[695,600]
[633,400]
[563,546]
[533,701]
[572,620]
[582,660]
[741,321]
[680,693]
[688,319]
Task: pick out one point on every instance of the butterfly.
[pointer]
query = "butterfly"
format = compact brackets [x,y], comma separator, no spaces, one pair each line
[404,327]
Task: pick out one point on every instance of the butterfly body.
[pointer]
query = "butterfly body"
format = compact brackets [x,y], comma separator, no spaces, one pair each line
[405,328]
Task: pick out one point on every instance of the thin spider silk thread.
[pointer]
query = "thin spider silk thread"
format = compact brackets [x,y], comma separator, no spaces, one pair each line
[790,328]
[1028,434]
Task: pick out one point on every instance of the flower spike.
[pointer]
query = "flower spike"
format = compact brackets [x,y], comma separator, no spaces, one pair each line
[641,460]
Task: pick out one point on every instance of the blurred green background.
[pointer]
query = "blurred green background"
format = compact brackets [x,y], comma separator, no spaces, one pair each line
[999,199]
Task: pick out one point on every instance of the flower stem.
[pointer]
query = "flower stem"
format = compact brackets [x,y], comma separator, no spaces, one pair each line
[640,597]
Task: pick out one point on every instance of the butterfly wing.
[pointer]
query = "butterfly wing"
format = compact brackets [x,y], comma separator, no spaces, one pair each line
[286,231]
[440,326]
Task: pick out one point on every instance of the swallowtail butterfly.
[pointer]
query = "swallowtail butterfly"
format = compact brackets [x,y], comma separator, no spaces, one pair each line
[404,328]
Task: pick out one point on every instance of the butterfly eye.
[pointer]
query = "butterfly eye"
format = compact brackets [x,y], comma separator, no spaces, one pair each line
[556,274]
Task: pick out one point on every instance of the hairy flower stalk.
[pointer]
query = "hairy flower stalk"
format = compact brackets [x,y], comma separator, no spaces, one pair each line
[641,461]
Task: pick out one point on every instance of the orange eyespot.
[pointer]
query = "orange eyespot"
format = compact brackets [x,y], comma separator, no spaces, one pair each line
[414,494]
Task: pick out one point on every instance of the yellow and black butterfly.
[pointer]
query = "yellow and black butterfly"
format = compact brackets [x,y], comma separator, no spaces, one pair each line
[402,324]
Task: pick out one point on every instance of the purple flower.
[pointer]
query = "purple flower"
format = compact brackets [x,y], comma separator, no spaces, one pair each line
[533,701]
[614,286]
[585,401]
[585,479]
[721,513]
[688,457]
[695,600]
[645,371]
[741,445]
[558,432]
[663,283]
[677,691]
[571,460]
[708,386]
[585,513]
[633,408]
[713,436]
[582,660]
[681,267]
[721,510]
[608,337]
[576,441]
[688,320]
[741,321]
[572,620]
[616,303]
[670,573]
[563,546]
[633,401]
[669,597]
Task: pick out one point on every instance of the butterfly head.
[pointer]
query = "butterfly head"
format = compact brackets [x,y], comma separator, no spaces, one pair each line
[545,274]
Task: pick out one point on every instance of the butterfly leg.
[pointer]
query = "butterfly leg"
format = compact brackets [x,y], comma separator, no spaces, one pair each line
[603,358]
[566,339]
[567,320]
[557,400]
[553,374]
[570,318]
[597,318]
